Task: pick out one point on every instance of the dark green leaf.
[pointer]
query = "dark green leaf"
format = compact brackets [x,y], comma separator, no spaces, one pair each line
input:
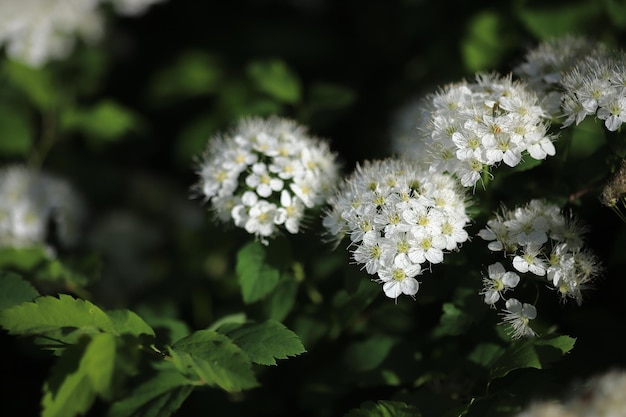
[549,22]
[214,359]
[369,354]
[160,396]
[266,342]
[15,290]
[16,132]
[384,409]
[36,83]
[256,277]
[106,121]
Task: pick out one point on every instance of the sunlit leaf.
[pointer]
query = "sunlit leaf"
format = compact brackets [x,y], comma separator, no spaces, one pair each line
[265,342]
[15,290]
[256,277]
[215,360]
[275,78]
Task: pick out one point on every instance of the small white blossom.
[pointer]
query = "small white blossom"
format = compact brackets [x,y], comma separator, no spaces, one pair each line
[518,317]
[497,283]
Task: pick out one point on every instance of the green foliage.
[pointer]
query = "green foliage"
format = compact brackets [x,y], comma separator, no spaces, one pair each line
[550,21]
[208,357]
[256,277]
[275,78]
[264,342]
[16,132]
[106,121]
[486,42]
[384,409]
[37,84]
[14,290]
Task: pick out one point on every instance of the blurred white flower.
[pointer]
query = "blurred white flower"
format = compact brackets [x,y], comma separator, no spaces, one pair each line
[30,202]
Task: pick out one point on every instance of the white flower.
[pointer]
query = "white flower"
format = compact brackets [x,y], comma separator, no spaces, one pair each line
[399,278]
[264,173]
[497,283]
[518,316]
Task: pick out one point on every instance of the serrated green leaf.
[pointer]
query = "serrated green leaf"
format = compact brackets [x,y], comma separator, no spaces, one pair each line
[98,363]
[214,359]
[52,314]
[384,409]
[128,322]
[283,298]
[160,396]
[275,78]
[15,290]
[256,277]
[265,342]
[16,132]
[531,353]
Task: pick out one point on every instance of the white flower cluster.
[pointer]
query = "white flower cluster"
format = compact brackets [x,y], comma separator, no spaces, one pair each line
[588,78]
[469,127]
[541,241]
[543,67]
[600,396]
[398,217]
[30,202]
[265,173]
[37,31]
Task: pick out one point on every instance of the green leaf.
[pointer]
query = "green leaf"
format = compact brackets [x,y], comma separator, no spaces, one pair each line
[82,372]
[549,22]
[283,298]
[367,355]
[215,360]
[128,322]
[15,290]
[384,409]
[50,313]
[107,121]
[485,43]
[160,396]
[531,353]
[36,83]
[275,78]
[193,73]
[615,10]
[256,277]
[16,132]
[453,321]
[485,354]
[24,259]
[326,96]
[587,138]
[265,342]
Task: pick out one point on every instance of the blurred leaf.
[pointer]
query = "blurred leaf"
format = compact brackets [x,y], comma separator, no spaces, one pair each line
[36,83]
[587,138]
[327,96]
[453,321]
[107,121]
[194,137]
[214,359]
[553,21]
[265,342]
[485,41]
[193,73]
[384,409]
[15,290]
[367,355]
[616,12]
[531,353]
[16,132]
[24,259]
[160,396]
[486,354]
[256,277]
[275,78]
[50,313]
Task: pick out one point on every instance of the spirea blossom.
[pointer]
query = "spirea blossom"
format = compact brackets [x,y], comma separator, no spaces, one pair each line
[37,31]
[399,219]
[467,128]
[539,240]
[264,174]
[32,201]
